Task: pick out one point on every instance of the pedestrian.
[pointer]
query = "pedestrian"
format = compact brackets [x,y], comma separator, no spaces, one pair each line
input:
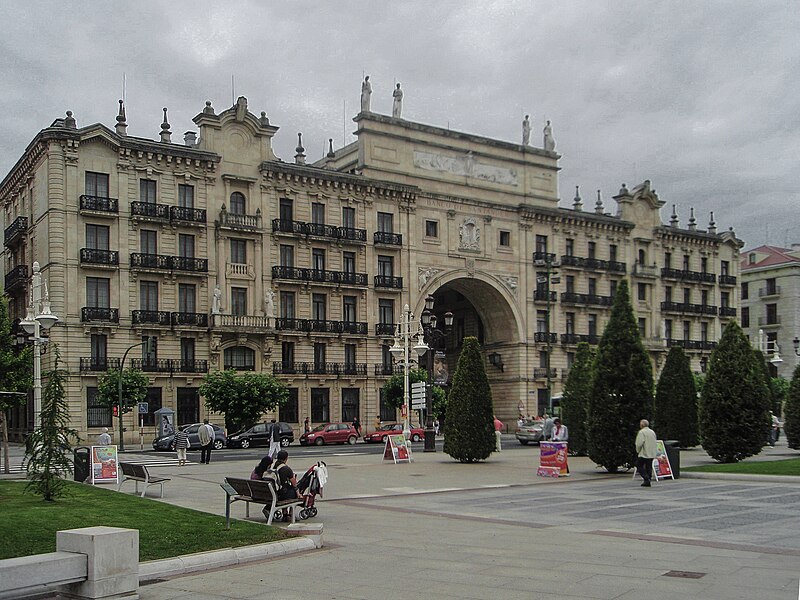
[287,483]
[357,426]
[646,451]
[547,430]
[206,435]
[261,468]
[377,422]
[775,428]
[104,439]
[436,426]
[520,421]
[306,425]
[182,444]
[274,438]
[560,432]
[498,429]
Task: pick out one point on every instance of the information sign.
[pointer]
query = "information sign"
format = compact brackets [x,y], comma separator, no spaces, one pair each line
[554,454]
[144,408]
[663,470]
[397,449]
[104,464]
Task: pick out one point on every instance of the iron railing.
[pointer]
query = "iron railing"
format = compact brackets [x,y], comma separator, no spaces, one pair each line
[150,209]
[685,275]
[93,256]
[151,317]
[16,230]
[388,281]
[98,363]
[189,319]
[387,237]
[190,215]
[92,314]
[16,277]
[99,204]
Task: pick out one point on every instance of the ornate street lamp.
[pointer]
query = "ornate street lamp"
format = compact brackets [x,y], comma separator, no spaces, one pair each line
[402,340]
[434,338]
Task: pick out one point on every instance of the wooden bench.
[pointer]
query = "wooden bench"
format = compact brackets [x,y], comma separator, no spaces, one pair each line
[139,473]
[258,491]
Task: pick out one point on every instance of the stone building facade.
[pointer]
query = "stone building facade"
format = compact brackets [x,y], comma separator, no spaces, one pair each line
[231,257]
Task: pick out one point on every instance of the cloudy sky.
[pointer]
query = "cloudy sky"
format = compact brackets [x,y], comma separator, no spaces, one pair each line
[699,97]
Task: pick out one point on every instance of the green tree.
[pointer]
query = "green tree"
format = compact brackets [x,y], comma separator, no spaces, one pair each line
[791,413]
[780,391]
[50,446]
[134,388]
[734,406]
[393,391]
[622,389]
[16,375]
[699,382]
[577,391]
[470,415]
[242,398]
[676,400]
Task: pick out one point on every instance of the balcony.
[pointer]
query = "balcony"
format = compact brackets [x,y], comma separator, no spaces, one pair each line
[593,264]
[351,234]
[691,344]
[387,281]
[684,275]
[100,258]
[189,319]
[150,210]
[187,215]
[646,271]
[94,314]
[727,311]
[564,374]
[16,231]
[323,230]
[319,276]
[310,368]
[696,309]
[766,292]
[542,372]
[572,339]
[388,370]
[586,299]
[388,238]
[189,264]
[98,363]
[169,365]
[151,317]
[544,337]
[542,296]
[385,328]
[727,280]
[16,277]
[249,323]
[99,205]
[161,262]
[769,321]
[240,222]
[321,326]
[541,259]
[184,365]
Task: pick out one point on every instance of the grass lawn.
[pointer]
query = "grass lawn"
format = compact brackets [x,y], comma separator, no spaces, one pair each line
[789,466]
[29,524]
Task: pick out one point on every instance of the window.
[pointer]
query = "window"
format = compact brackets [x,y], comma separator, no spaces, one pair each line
[350,404]
[592,324]
[97,184]
[349,217]
[385,222]
[751,258]
[686,262]
[387,412]
[287,255]
[319,357]
[349,309]
[592,248]
[668,293]
[544,359]
[386,266]
[772,314]
[772,288]
[432,229]
[725,268]
[612,252]
[668,329]
[187,353]
[188,406]
[98,292]
[667,260]
[704,264]
[153,399]
[238,301]
[385,311]
[239,252]
[318,306]
[687,295]
[186,298]
[147,190]
[704,331]
[286,209]
[505,239]
[318,259]
[570,284]
[541,243]
[349,262]
[350,358]
[642,327]
[320,405]
[704,297]
[237,203]
[612,287]
[687,330]
[569,248]
[97,237]
[592,286]
[240,358]
[642,260]
[287,356]
[185,245]
[287,305]
[570,359]
[541,321]
[148,241]
[745,290]
[186,196]
[570,323]
[148,295]
[289,411]
[641,292]
[745,316]
[317,213]
[149,350]
[99,350]
[97,415]
[386,358]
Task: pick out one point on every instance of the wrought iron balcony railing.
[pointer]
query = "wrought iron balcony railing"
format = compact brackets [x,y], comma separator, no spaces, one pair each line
[388,281]
[98,363]
[188,215]
[150,209]
[541,373]
[588,299]
[727,311]
[313,368]
[388,370]
[92,256]
[94,314]
[189,264]
[542,258]
[150,261]
[349,234]
[189,319]
[696,309]
[321,326]
[544,337]
[16,230]
[99,204]
[691,344]
[685,275]
[386,237]
[151,317]
[16,277]
[541,296]
[385,328]
[577,338]
[727,280]
[319,275]
[594,264]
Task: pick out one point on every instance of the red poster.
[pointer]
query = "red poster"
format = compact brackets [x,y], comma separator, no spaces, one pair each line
[663,468]
[554,454]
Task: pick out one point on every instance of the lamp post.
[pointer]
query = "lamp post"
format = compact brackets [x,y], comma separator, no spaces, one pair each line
[147,343]
[796,345]
[38,318]
[402,339]
[770,346]
[550,263]
[433,338]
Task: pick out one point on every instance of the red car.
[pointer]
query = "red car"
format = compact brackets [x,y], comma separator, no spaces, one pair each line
[417,433]
[330,433]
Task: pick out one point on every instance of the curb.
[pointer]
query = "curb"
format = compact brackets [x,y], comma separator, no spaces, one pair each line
[741,477]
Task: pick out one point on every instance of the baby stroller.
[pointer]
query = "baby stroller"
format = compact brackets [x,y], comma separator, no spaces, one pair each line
[309,486]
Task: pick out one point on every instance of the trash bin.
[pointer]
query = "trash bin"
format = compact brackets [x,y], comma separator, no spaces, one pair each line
[81,463]
[673,448]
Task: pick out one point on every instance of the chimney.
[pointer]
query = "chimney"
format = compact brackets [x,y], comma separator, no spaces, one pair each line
[190,139]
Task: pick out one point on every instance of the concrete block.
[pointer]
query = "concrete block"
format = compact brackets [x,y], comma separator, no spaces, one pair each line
[310,530]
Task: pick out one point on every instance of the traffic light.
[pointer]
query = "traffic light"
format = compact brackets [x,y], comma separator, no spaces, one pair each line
[115,410]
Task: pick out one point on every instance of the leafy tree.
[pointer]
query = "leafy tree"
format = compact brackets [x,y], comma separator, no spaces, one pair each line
[622,389]
[393,391]
[699,382]
[676,400]
[134,388]
[243,398]
[50,446]
[791,413]
[780,391]
[577,391]
[16,375]
[734,407]
[470,416]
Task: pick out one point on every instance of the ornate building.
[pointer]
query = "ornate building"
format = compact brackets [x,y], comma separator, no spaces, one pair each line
[233,258]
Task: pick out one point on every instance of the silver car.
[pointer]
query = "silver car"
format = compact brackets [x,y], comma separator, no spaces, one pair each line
[530,431]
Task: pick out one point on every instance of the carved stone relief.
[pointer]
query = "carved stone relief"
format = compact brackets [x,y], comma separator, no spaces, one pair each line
[464,165]
[426,274]
[469,235]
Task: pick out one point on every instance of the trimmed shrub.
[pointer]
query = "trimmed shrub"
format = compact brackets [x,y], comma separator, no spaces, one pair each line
[577,391]
[676,400]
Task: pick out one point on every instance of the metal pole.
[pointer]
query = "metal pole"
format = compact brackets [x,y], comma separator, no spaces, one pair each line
[406,329]
[430,433]
[37,376]
[549,264]
[119,396]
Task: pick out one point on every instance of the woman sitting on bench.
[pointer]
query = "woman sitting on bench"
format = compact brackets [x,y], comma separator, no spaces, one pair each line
[287,482]
[261,468]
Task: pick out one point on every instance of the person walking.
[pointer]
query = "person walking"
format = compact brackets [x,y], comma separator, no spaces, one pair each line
[547,429]
[498,430]
[306,425]
[646,450]
[104,439]
[182,444]
[560,432]
[274,438]
[377,422]
[357,426]
[206,434]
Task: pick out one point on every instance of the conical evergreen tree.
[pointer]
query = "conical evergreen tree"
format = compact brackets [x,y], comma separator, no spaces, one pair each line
[470,416]
[734,406]
[676,400]
[622,390]
[577,391]
[791,412]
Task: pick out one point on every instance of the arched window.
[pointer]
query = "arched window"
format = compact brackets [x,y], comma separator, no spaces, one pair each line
[240,358]
[237,203]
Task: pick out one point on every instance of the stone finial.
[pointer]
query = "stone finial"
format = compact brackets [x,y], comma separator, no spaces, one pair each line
[264,120]
[300,157]
[577,203]
[712,224]
[166,134]
[208,110]
[623,191]
[331,153]
[673,218]
[692,220]
[598,206]
[69,122]
[122,125]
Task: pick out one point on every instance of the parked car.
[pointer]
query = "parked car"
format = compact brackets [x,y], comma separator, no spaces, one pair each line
[379,436]
[167,442]
[330,433]
[258,435]
[530,431]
